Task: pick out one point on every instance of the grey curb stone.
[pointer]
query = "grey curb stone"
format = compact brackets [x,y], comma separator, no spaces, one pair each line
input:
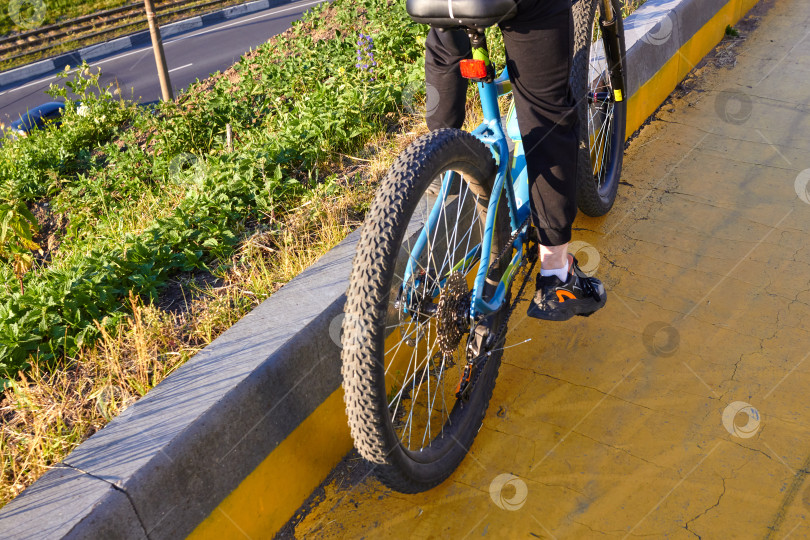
[180,26]
[103,49]
[179,451]
[53,518]
[238,11]
[94,52]
[25,73]
[168,461]
[656,31]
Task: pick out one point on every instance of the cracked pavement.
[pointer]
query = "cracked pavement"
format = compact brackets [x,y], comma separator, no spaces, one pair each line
[619,424]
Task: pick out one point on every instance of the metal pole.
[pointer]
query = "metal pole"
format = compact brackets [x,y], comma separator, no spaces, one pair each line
[160,58]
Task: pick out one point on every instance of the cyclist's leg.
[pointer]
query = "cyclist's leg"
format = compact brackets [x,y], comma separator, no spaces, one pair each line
[539,45]
[446,88]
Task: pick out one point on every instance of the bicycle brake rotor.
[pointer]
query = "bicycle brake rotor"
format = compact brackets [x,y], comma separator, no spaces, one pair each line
[452,313]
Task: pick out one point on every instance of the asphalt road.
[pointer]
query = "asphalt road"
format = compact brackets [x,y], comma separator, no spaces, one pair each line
[190,56]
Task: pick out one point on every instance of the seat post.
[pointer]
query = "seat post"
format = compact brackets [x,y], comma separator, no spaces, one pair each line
[480,51]
[487,91]
[478,38]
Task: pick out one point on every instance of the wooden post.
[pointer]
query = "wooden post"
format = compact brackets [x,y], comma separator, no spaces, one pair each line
[157,46]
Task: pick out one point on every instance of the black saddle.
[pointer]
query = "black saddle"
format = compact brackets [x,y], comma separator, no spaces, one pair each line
[477,14]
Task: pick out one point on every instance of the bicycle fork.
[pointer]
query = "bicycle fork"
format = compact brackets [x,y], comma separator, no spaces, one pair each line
[610,33]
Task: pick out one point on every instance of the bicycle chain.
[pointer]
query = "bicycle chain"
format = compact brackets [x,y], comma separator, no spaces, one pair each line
[508,245]
[501,334]
[502,330]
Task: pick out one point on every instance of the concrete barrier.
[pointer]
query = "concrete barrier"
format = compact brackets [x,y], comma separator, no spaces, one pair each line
[232,443]
[168,461]
[665,40]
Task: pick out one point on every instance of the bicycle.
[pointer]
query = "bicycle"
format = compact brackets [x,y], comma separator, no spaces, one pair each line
[435,265]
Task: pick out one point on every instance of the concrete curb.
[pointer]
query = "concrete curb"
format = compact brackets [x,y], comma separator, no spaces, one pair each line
[167,462]
[94,52]
[234,441]
[665,40]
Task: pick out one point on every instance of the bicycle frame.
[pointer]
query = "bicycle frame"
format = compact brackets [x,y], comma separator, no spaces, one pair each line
[511,179]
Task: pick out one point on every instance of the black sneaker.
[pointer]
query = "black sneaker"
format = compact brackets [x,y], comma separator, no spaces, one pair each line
[558,301]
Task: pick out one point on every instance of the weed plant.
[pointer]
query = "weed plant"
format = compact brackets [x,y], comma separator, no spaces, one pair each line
[148,195]
[122,207]
[153,201]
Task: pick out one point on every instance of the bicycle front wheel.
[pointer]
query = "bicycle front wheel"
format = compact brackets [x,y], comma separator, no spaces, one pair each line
[405,332]
[602,105]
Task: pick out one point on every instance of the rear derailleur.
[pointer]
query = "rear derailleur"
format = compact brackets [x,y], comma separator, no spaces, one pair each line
[480,346]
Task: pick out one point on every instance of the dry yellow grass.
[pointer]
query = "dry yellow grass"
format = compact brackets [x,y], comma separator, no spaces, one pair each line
[45,415]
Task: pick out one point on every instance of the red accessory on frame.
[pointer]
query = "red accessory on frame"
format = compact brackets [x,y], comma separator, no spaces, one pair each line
[473,69]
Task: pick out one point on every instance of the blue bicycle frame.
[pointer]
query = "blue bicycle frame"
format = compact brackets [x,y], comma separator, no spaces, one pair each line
[511,178]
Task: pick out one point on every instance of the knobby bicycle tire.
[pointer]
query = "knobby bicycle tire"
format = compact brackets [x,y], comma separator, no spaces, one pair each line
[388,231]
[597,180]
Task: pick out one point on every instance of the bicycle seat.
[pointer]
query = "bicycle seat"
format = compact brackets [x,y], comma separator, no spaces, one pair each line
[478,14]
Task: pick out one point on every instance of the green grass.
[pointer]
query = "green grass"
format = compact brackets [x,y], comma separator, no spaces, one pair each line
[136,219]
[630,6]
[55,10]
[153,199]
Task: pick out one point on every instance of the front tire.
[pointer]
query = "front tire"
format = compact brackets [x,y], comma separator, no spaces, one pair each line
[602,117]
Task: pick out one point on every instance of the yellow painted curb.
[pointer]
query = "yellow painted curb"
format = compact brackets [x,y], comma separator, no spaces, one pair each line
[652,93]
[271,494]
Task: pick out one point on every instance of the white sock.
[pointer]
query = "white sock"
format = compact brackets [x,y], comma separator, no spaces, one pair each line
[561,273]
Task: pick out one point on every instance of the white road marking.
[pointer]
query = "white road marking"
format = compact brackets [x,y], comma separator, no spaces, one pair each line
[27,85]
[181,67]
[181,38]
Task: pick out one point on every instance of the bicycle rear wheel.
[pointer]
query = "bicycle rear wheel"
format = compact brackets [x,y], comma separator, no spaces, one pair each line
[602,116]
[404,343]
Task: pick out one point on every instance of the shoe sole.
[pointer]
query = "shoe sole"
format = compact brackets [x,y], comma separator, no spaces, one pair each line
[560,315]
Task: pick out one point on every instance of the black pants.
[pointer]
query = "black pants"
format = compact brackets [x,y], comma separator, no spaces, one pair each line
[539,47]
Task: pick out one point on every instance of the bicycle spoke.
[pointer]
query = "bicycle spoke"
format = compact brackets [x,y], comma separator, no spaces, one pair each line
[601,140]
[423,372]
[418,405]
[601,109]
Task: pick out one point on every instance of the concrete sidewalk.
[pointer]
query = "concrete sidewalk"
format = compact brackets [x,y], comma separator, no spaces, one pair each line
[681,409]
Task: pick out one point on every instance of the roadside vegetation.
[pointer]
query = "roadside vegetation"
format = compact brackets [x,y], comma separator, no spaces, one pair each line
[630,6]
[55,10]
[32,30]
[130,238]
[133,237]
